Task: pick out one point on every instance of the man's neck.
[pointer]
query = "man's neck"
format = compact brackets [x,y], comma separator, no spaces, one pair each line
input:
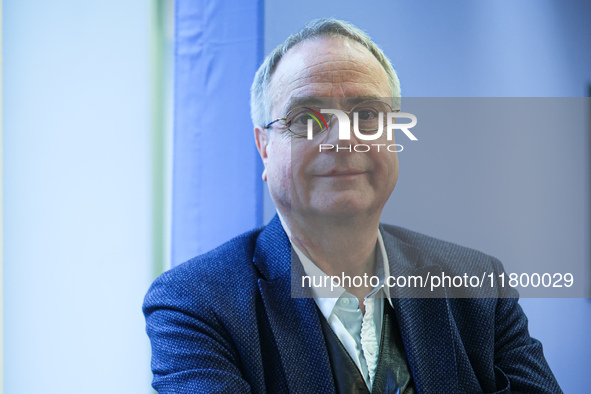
[338,246]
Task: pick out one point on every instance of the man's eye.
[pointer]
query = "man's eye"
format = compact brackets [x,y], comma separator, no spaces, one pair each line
[302,119]
[367,114]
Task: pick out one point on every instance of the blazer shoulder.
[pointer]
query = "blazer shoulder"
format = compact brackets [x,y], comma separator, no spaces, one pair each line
[227,268]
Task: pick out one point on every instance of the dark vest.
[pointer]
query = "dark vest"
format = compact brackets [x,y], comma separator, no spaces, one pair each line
[392,372]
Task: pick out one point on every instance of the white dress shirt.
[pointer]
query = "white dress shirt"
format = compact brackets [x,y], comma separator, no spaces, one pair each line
[359,333]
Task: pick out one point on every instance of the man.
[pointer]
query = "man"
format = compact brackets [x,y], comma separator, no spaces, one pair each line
[227,321]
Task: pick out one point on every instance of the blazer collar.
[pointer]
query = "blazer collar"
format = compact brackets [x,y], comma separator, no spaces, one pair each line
[294,321]
[272,254]
[425,324]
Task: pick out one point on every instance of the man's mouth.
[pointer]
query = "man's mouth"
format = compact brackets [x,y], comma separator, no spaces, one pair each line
[342,173]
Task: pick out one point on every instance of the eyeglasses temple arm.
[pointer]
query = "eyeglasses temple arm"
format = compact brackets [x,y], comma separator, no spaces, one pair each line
[276,120]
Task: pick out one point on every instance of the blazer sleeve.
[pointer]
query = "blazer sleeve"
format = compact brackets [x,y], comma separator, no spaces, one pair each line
[191,352]
[519,358]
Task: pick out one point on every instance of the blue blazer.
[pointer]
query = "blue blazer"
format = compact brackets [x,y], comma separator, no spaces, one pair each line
[225,322]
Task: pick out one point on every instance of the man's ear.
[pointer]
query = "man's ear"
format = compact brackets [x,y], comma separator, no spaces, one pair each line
[261,137]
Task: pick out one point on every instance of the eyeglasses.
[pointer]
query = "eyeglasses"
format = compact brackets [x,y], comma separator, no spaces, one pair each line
[367,115]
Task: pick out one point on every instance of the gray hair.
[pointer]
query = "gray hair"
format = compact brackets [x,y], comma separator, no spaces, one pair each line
[260,101]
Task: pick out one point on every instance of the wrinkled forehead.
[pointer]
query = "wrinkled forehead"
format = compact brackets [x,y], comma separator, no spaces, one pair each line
[343,103]
[329,67]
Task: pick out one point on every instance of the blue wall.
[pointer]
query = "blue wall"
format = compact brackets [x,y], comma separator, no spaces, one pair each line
[217,191]
[77,165]
[493,48]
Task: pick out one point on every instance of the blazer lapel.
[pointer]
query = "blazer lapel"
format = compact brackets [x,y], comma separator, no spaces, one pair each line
[425,323]
[294,321]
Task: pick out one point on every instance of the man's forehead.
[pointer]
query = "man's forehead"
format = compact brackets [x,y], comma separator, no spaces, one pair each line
[326,102]
[327,67]
[320,57]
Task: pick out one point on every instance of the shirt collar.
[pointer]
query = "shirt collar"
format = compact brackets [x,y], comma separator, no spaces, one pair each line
[327,304]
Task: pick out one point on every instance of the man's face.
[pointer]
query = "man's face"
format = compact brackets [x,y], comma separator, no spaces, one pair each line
[302,180]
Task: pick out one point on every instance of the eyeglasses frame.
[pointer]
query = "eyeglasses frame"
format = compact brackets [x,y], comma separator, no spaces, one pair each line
[327,123]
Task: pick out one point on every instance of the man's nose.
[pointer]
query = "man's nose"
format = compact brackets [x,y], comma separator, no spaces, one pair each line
[332,134]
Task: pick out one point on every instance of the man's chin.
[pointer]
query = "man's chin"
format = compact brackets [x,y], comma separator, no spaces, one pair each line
[343,207]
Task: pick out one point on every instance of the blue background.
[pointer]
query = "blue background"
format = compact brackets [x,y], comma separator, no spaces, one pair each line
[473,49]
[78,170]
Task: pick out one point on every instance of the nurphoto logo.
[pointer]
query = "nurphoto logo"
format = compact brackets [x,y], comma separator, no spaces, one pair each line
[369,128]
[369,118]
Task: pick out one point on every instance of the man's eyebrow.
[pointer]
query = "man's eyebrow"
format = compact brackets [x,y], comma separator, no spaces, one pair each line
[303,101]
[320,101]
